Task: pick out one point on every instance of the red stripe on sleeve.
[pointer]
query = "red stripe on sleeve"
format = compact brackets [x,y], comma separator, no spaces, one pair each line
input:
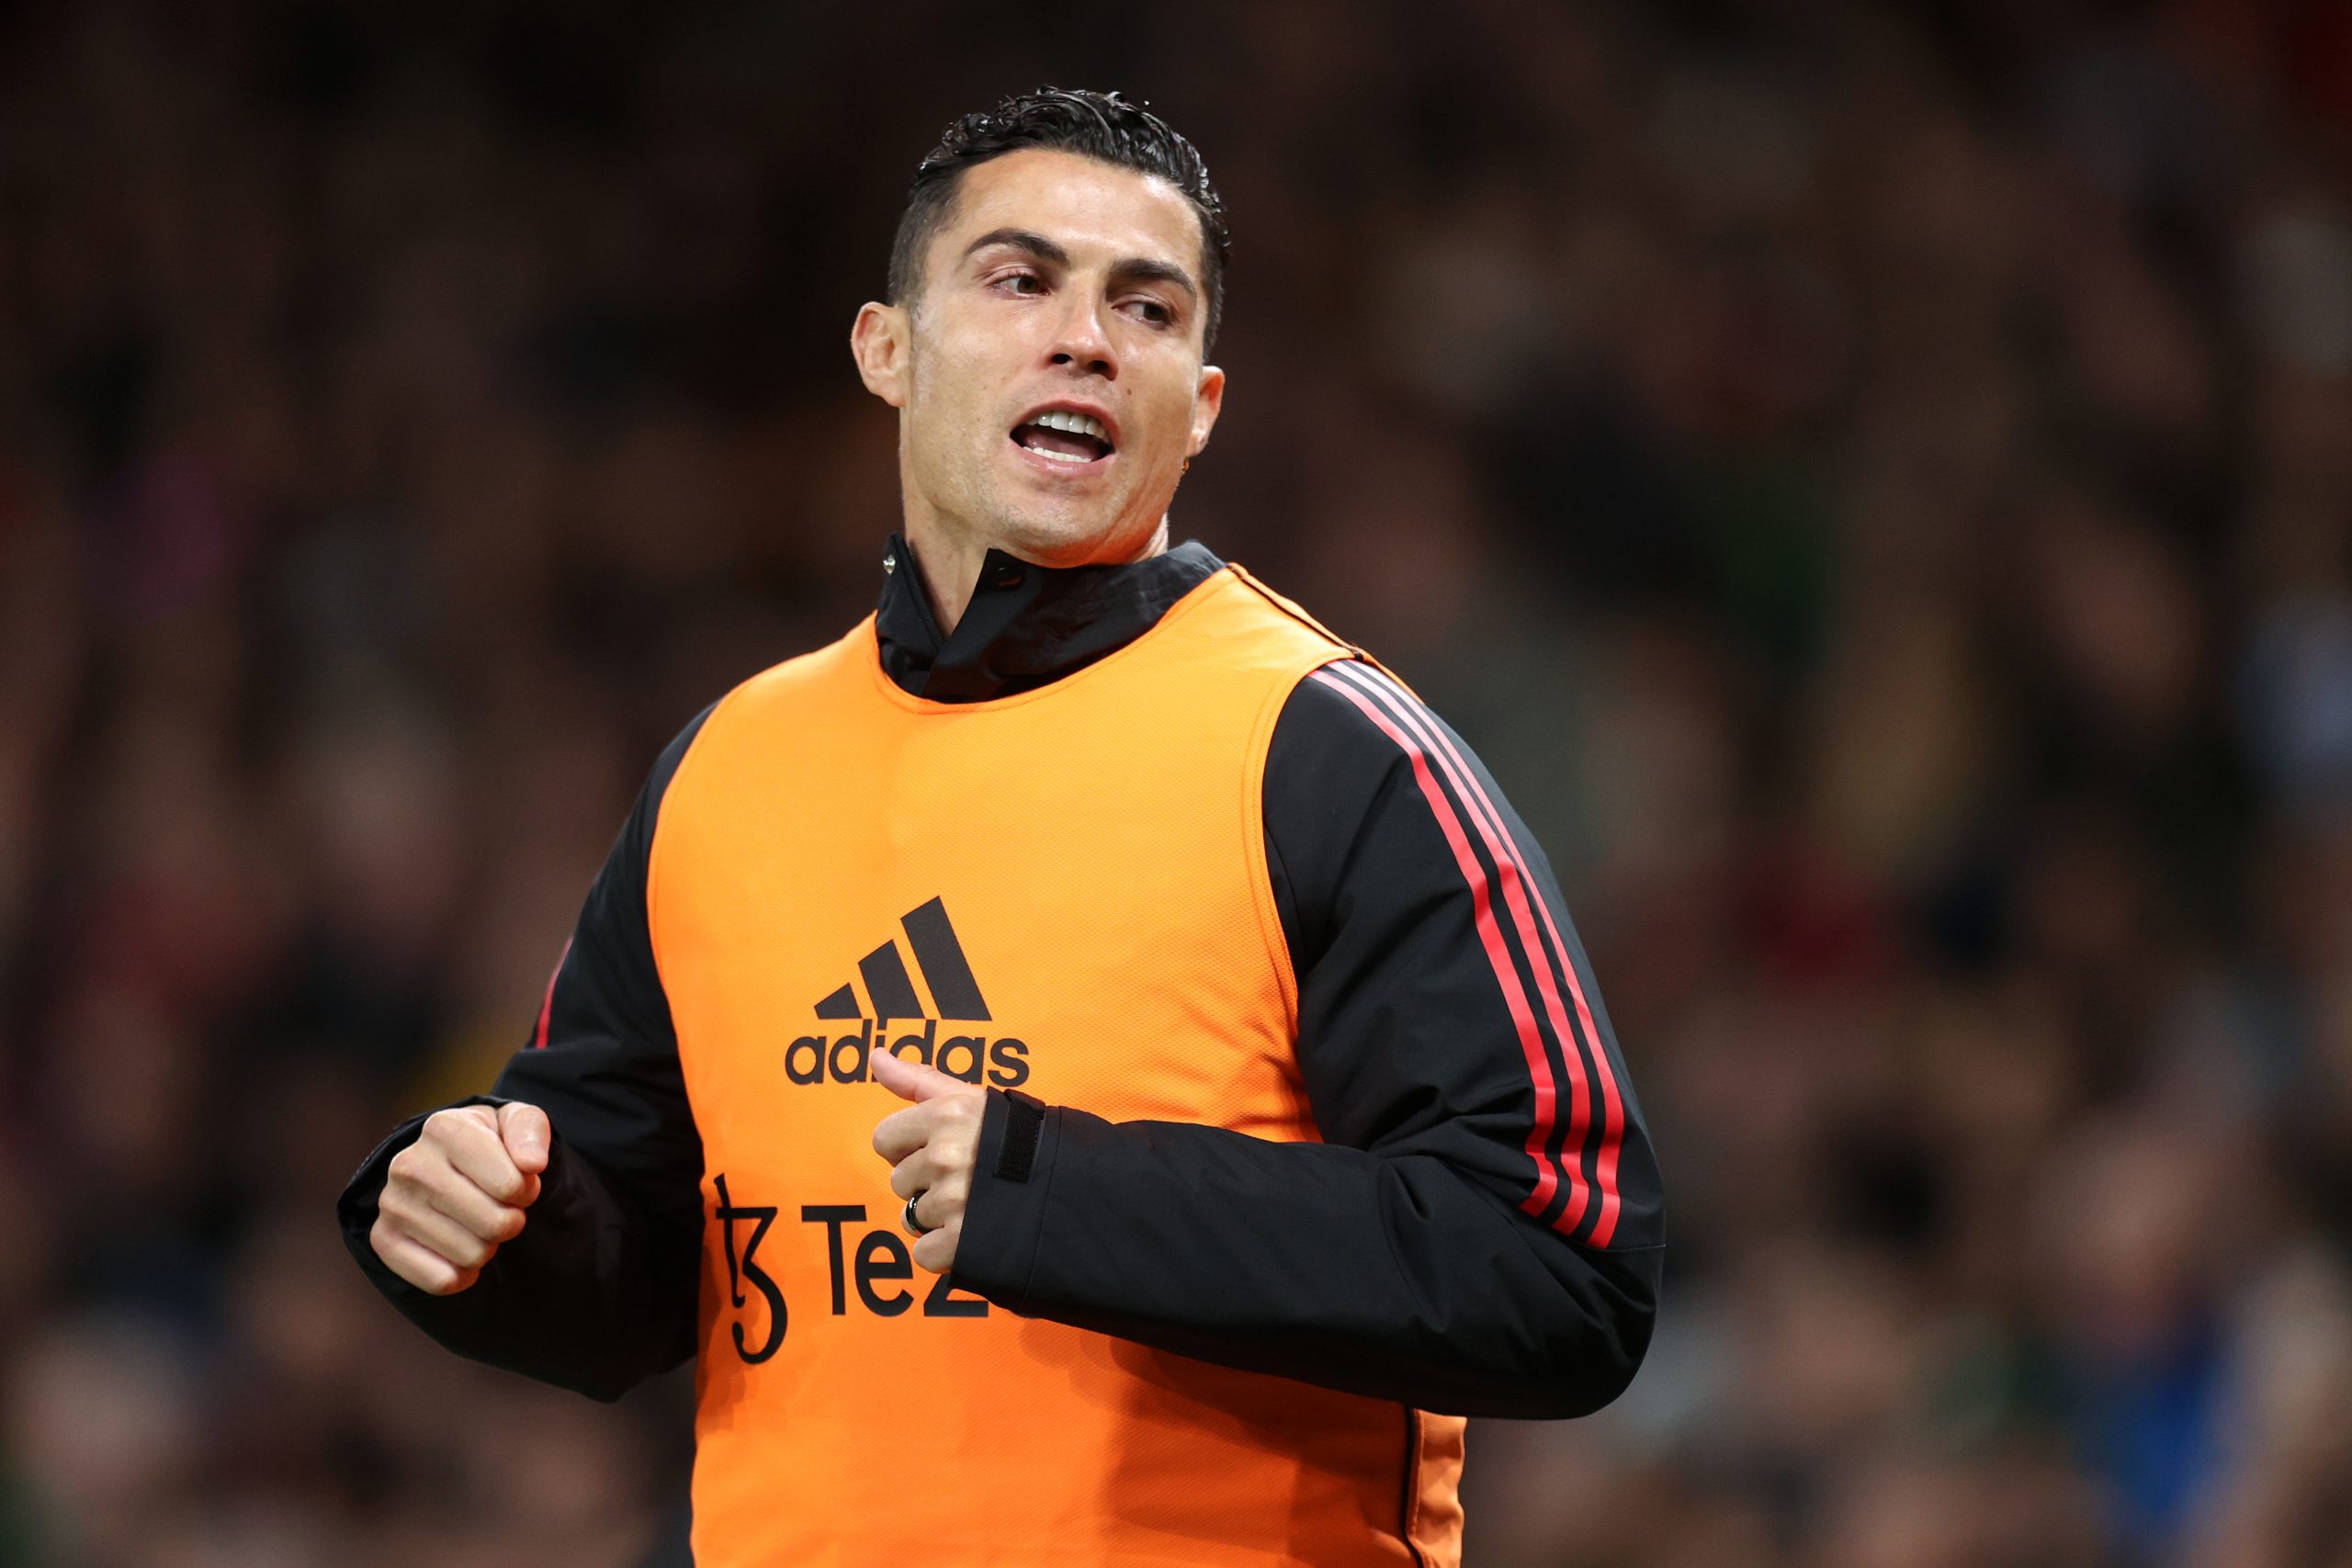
[1548,1174]
[1519,890]
[546,1007]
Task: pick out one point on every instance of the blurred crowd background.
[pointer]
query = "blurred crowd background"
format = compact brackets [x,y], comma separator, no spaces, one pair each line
[1875,482]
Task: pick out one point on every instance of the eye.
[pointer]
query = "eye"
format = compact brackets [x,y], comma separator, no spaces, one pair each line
[1153,313]
[1025,284]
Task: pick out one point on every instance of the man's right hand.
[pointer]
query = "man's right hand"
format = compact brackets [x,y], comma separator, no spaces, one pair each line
[456,1194]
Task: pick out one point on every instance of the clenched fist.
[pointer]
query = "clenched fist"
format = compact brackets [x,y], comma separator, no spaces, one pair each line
[456,1194]
[931,1146]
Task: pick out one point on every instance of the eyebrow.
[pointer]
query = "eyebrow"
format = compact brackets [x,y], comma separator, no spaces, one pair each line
[1141,268]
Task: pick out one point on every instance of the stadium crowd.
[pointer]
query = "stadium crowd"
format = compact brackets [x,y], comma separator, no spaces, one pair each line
[1900,457]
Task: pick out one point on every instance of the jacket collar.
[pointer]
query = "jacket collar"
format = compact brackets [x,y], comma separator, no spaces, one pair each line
[1027,626]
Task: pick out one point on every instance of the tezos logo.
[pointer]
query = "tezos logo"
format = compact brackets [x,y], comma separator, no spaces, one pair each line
[890,995]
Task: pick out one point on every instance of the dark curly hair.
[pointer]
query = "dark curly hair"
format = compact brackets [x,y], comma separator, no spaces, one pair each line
[1103,126]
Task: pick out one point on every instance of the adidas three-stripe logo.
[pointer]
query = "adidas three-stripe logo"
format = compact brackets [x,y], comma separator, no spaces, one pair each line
[890,995]
[938,956]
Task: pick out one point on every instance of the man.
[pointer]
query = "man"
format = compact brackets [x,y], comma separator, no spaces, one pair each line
[1263,1120]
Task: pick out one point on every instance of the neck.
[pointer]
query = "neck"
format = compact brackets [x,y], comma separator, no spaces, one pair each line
[949,559]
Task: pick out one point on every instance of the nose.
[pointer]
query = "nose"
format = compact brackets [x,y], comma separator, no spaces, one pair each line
[1079,341]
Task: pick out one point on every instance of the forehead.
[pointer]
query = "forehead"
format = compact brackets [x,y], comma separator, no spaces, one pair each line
[1091,209]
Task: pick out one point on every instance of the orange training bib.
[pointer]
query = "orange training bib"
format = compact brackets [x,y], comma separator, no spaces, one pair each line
[1063,891]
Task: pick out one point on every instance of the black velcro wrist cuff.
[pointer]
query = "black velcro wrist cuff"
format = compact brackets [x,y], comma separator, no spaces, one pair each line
[1024,1124]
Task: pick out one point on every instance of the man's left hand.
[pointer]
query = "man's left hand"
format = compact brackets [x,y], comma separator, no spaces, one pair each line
[931,1146]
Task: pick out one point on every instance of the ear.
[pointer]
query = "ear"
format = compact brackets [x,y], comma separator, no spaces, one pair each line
[1208,401]
[879,341]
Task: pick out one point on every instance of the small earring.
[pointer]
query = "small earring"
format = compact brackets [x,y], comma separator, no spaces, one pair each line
[1187,467]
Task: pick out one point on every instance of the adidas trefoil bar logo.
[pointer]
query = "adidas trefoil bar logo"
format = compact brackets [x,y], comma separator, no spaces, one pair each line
[890,995]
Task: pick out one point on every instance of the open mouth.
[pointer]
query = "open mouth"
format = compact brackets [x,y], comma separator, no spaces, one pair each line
[1065,437]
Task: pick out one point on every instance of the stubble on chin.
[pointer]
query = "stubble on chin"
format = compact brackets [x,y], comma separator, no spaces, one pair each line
[1073,536]
[1069,532]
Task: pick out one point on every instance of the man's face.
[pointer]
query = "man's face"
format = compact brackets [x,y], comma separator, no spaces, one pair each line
[1050,376]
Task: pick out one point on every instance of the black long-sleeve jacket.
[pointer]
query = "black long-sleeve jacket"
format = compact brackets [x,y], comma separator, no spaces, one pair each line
[1426,1251]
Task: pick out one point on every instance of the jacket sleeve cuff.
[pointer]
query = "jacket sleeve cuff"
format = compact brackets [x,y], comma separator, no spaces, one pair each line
[1004,1218]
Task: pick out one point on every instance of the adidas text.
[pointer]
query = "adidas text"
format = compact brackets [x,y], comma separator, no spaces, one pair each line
[815,1058]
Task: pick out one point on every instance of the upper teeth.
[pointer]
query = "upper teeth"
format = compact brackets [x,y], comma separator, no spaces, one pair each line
[1075,423]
